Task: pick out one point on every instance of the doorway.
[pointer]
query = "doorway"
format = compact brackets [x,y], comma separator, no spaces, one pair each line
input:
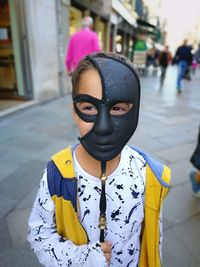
[12,76]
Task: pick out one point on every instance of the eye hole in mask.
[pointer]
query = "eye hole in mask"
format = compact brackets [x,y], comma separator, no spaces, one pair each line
[87,108]
[120,109]
[117,109]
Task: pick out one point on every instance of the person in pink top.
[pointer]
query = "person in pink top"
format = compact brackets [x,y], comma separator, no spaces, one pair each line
[80,44]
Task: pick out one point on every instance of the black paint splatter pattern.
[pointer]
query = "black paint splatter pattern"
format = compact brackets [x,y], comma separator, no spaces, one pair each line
[125,211]
[125,190]
[52,249]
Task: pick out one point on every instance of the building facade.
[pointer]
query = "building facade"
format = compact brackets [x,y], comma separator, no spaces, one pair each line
[32,44]
[34,36]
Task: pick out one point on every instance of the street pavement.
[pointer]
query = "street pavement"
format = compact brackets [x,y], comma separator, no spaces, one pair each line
[167,130]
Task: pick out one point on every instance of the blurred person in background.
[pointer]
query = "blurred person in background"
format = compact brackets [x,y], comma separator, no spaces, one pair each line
[152,58]
[187,75]
[194,64]
[164,59]
[195,174]
[195,182]
[81,44]
[197,54]
[196,60]
[183,57]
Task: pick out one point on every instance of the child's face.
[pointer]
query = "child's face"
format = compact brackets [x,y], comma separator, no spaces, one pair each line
[90,84]
[106,107]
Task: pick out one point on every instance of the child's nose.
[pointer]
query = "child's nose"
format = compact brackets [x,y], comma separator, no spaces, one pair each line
[103,125]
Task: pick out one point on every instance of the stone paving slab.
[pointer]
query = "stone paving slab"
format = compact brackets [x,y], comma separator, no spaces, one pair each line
[18,257]
[6,205]
[180,205]
[18,122]
[8,131]
[147,122]
[183,110]
[163,130]
[18,227]
[176,153]
[175,139]
[54,131]
[191,237]
[177,120]
[26,143]
[53,148]
[166,224]
[27,202]
[22,180]
[44,135]
[175,253]
[11,156]
[5,241]
[7,168]
[147,143]
[180,171]
[160,131]
[154,117]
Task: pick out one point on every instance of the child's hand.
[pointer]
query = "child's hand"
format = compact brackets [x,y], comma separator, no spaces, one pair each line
[107,249]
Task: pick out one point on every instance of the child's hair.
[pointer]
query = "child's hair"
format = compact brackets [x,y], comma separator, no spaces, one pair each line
[85,64]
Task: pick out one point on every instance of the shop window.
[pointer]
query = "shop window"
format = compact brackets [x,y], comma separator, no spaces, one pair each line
[7,67]
[75,18]
[118,43]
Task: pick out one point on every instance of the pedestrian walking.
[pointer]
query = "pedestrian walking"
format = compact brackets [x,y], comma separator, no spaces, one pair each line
[183,57]
[81,43]
[195,174]
[164,59]
[99,201]
[187,75]
[152,59]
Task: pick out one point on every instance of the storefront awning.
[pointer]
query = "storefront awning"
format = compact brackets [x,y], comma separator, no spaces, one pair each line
[123,12]
[144,23]
[144,27]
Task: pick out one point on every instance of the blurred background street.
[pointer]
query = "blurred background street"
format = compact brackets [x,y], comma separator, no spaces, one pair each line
[35,116]
[167,130]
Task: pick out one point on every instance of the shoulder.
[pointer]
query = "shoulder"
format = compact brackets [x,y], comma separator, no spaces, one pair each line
[43,181]
[60,166]
[93,34]
[60,173]
[75,35]
[44,192]
[131,157]
[64,162]
[134,153]
[159,171]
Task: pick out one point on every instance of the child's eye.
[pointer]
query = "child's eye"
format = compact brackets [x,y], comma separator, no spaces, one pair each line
[120,108]
[87,108]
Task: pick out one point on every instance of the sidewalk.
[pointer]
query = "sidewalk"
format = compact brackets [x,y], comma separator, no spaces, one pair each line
[167,130]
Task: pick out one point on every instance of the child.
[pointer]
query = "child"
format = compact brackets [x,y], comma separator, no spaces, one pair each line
[195,174]
[195,182]
[101,175]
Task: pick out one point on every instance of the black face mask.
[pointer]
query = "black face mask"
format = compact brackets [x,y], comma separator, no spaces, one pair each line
[110,133]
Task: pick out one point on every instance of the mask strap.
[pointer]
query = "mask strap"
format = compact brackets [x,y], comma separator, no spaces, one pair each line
[102,203]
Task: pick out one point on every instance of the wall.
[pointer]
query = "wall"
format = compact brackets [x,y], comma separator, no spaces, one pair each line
[63,39]
[43,47]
